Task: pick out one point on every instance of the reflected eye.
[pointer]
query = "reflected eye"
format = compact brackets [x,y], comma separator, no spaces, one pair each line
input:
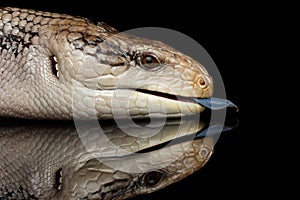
[151,179]
[148,61]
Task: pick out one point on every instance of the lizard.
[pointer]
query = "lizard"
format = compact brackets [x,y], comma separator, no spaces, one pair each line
[57,66]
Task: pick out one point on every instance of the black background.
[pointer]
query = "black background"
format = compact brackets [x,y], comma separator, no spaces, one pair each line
[225,32]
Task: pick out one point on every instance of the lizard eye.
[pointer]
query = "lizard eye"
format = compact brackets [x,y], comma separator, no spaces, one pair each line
[151,179]
[148,61]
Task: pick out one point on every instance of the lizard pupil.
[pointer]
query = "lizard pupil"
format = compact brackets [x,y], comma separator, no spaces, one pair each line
[149,60]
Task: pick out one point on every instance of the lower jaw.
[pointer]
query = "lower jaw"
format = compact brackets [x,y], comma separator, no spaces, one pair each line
[162,108]
[114,104]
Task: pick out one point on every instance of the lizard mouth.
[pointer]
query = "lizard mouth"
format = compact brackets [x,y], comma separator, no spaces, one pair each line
[167,96]
[212,103]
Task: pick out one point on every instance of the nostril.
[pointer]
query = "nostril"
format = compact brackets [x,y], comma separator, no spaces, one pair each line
[201,82]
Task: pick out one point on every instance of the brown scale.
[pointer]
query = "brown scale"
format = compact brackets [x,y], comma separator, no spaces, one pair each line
[19,26]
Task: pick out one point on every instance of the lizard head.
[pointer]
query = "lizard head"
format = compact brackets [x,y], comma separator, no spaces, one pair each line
[139,174]
[132,76]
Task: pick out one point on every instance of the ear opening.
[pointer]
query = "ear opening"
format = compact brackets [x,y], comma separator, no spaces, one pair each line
[54,66]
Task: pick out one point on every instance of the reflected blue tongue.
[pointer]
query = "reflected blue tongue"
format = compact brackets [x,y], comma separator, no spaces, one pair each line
[214,103]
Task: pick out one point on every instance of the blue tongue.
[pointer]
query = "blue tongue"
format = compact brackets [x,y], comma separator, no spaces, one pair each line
[216,103]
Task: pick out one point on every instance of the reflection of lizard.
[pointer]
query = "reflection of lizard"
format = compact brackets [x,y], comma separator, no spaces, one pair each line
[53,161]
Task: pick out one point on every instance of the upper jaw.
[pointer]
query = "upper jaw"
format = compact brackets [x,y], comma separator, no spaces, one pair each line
[190,89]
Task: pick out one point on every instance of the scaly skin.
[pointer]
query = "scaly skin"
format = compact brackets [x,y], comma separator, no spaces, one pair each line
[52,161]
[98,70]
